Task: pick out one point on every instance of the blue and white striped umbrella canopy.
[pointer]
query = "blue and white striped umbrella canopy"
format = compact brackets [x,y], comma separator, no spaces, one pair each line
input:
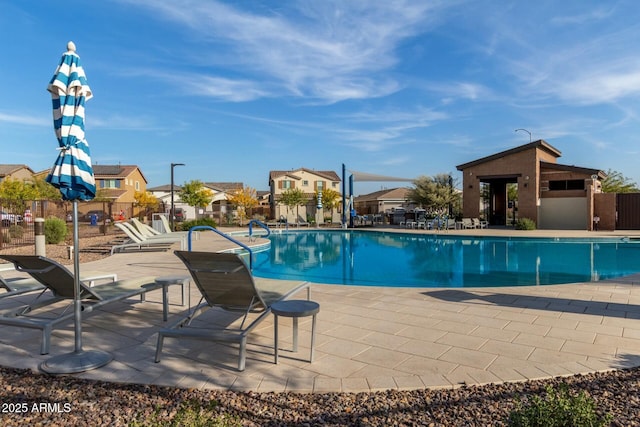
[72,173]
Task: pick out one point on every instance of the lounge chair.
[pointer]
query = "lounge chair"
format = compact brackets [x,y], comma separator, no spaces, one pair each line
[225,282]
[144,229]
[166,225]
[139,242]
[16,286]
[302,223]
[22,285]
[59,286]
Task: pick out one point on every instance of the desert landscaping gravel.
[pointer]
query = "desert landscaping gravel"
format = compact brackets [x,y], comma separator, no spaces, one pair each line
[39,399]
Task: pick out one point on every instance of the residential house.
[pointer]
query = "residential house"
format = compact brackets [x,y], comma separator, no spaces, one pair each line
[119,182]
[383,201]
[116,186]
[310,182]
[19,172]
[217,209]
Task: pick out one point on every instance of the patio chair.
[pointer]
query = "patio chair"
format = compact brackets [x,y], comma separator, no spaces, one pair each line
[139,242]
[479,224]
[22,285]
[225,282]
[467,223]
[144,229]
[45,313]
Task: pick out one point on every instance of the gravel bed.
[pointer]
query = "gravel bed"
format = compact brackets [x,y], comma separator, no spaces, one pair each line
[69,401]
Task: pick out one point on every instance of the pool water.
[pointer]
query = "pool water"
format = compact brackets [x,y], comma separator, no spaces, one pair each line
[373,258]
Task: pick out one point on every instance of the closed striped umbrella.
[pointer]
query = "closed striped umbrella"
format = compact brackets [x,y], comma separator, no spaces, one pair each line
[72,173]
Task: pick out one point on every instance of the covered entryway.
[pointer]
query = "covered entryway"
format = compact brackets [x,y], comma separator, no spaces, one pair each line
[495,191]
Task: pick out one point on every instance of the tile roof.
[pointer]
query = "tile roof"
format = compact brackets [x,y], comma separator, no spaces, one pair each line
[539,144]
[109,171]
[330,175]
[9,169]
[388,194]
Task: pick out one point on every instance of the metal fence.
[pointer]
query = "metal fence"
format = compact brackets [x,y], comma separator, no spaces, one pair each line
[94,218]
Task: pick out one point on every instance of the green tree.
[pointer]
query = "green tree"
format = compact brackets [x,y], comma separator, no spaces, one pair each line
[195,194]
[293,197]
[17,190]
[45,190]
[243,200]
[330,199]
[15,193]
[435,193]
[615,182]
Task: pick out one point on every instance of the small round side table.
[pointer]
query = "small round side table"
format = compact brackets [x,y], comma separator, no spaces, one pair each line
[295,309]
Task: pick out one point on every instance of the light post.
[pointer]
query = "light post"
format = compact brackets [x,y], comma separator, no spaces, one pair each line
[172,210]
[526,132]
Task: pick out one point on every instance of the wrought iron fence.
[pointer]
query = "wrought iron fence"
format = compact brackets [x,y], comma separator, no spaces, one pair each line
[95,218]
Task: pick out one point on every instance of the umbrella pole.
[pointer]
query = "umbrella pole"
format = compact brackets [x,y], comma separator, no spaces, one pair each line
[79,360]
[77,303]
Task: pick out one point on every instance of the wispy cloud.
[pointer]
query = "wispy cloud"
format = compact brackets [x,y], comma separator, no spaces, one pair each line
[25,120]
[328,51]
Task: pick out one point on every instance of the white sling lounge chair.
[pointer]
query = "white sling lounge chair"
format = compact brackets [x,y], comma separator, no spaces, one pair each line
[139,242]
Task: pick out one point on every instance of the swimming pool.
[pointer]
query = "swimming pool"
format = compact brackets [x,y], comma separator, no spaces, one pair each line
[373,258]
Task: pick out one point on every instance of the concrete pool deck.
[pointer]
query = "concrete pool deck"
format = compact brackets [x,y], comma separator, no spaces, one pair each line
[367,338]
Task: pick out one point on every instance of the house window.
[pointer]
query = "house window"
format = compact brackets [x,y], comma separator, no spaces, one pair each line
[286,184]
[319,186]
[137,186]
[334,184]
[569,184]
[305,183]
[110,183]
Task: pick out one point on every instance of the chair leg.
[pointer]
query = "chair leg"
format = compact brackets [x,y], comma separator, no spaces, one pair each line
[313,336]
[159,347]
[46,340]
[243,353]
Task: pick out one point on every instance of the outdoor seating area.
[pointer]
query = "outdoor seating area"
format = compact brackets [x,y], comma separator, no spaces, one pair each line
[366,339]
[57,285]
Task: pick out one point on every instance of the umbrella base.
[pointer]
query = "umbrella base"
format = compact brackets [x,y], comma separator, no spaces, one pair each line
[78,361]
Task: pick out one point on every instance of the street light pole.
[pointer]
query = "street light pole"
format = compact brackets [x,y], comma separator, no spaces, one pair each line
[526,132]
[172,210]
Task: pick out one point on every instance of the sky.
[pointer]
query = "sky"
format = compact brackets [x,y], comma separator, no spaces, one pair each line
[235,89]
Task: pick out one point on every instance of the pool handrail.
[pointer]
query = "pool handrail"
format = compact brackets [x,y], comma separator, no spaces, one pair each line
[226,236]
[261,224]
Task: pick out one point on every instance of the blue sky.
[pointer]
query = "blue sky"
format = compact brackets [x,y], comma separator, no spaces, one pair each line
[234,89]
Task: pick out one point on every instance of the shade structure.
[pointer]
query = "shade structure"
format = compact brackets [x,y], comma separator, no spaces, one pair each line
[72,174]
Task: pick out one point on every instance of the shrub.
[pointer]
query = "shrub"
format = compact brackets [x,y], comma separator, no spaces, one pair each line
[525,224]
[55,230]
[559,408]
[186,225]
[189,414]
[16,231]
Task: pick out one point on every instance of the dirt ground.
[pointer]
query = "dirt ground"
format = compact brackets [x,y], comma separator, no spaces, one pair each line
[60,252]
